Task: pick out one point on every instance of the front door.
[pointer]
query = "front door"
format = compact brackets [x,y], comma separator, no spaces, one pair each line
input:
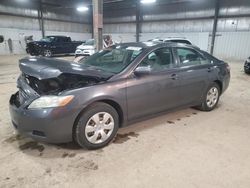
[156,90]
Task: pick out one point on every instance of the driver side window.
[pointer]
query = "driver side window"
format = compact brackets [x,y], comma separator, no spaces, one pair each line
[158,60]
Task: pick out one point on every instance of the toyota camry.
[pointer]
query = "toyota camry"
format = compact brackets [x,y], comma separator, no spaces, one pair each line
[59,101]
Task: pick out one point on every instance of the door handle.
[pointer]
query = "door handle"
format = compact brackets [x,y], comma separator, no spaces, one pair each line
[174,76]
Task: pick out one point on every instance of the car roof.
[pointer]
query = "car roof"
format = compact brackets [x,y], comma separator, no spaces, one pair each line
[171,39]
[56,36]
[175,38]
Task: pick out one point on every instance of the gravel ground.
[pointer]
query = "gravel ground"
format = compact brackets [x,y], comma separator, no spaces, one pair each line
[187,148]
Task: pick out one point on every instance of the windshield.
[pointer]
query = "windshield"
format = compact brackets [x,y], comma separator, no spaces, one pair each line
[113,60]
[89,42]
[47,39]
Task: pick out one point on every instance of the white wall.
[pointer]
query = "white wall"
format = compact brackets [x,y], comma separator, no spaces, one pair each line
[17,37]
[232,45]
[199,39]
[228,45]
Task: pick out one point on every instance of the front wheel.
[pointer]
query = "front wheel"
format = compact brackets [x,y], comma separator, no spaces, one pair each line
[247,71]
[211,98]
[47,53]
[97,126]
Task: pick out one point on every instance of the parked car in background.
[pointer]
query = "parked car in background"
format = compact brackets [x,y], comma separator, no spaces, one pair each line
[247,66]
[87,48]
[88,101]
[52,45]
[172,39]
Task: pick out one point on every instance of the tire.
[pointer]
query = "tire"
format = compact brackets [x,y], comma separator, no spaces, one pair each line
[211,98]
[247,71]
[47,53]
[91,131]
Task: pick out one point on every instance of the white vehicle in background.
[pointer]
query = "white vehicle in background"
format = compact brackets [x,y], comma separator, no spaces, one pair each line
[86,49]
[172,39]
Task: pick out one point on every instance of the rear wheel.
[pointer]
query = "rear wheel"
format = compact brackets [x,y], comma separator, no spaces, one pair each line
[97,126]
[211,98]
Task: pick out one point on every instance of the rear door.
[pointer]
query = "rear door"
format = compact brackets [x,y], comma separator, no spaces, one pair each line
[194,74]
[156,91]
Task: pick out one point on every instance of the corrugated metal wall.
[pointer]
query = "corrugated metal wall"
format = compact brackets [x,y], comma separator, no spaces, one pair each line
[191,19]
[18,42]
[26,23]
[232,45]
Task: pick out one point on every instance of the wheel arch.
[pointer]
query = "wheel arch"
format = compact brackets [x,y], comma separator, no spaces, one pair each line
[117,107]
[219,84]
[110,102]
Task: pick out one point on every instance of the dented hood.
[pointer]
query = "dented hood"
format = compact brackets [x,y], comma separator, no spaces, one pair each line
[44,68]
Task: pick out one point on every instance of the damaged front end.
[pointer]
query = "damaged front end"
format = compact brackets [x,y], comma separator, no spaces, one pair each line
[44,108]
[50,77]
[31,88]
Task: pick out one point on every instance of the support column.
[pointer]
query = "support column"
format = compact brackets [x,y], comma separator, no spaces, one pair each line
[40,18]
[98,22]
[138,25]
[216,14]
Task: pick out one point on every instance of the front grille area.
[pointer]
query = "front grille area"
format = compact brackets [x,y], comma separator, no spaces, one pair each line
[32,49]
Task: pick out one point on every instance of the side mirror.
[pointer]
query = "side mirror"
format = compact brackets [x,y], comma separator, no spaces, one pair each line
[1,38]
[142,70]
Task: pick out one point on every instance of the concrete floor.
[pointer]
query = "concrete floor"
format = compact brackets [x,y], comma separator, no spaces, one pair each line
[187,148]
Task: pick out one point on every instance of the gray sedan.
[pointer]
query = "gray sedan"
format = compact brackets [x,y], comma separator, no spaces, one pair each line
[59,101]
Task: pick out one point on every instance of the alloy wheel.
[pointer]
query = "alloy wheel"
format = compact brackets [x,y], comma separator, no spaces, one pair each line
[212,97]
[99,127]
[47,53]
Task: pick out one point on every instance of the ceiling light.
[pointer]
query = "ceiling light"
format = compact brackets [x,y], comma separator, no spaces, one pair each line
[82,9]
[147,1]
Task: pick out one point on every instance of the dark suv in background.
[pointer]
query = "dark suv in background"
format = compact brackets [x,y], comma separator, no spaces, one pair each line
[52,45]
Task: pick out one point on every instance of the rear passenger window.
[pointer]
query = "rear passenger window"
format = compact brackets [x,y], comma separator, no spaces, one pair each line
[190,57]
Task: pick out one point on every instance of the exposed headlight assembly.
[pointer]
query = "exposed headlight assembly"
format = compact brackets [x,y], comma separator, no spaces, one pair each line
[50,101]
